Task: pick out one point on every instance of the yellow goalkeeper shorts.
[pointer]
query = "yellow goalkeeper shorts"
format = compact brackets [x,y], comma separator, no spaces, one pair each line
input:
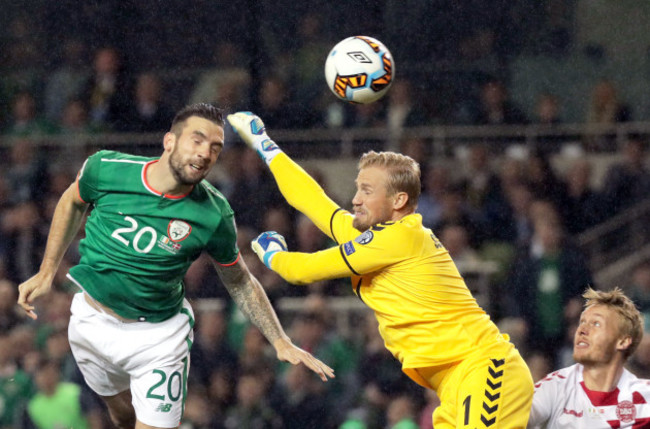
[492,388]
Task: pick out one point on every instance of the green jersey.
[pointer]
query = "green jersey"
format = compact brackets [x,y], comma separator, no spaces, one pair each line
[139,243]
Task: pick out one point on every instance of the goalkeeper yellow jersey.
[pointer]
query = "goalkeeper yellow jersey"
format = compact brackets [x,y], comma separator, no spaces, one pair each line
[427,315]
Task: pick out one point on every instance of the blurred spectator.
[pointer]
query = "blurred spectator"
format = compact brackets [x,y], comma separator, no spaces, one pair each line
[23,345]
[639,288]
[221,393]
[9,317]
[277,107]
[402,110]
[308,237]
[56,403]
[381,373]
[279,219]
[23,44]
[585,206]
[106,91]
[202,282]
[539,364]
[493,107]
[15,385]
[24,242]
[454,210]
[639,362]
[65,82]
[426,414]
[198,412]
[419,149]
[456,240]
[627,181]
[228,71]
[25,120]
[401,413]
[484,193]
[251,409]
[605,108]
[253,180]
[75,120]
[303,405]
[544,278]
[544,183]
[370,115]
[27,173]
[312,332]
[256,354]
[146,111]
[436,183]
[306,62]
[547,114]
[211,350]
[518,229]
[604,105]
[547,110]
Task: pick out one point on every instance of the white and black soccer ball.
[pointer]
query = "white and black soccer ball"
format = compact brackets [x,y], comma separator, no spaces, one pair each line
[359,69]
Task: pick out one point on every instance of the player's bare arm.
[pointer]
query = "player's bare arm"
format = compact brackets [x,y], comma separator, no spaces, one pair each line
[66,221]
[248,294]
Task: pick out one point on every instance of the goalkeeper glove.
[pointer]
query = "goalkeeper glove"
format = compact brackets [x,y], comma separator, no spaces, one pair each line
[267,244]
[251,129]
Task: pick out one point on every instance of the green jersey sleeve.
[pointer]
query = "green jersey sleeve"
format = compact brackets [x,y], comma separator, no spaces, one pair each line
[88,177]
[223,243]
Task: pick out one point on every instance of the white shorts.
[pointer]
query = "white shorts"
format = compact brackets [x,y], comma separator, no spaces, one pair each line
[151,359]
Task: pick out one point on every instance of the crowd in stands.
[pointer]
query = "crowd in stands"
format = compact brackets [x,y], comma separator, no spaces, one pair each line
[517,212]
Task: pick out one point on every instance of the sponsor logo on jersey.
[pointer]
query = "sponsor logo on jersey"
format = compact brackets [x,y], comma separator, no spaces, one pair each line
[178,230]
[365,238]
[572,412]
[348,248]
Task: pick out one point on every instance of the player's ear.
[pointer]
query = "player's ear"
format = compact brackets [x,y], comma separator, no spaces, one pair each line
[400,200]
[624,343]
[169,140]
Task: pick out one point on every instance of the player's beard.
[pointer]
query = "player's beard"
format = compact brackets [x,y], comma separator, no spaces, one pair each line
[177,167]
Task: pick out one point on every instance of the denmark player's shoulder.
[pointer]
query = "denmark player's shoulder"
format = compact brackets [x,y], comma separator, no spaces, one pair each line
[559,377]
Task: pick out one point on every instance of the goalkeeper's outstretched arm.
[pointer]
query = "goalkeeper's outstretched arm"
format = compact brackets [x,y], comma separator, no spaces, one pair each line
[299,189]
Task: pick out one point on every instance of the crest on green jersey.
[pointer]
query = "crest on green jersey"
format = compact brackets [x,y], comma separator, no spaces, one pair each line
[178,230]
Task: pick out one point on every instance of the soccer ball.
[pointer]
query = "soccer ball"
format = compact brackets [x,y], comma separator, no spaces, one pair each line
[359,69]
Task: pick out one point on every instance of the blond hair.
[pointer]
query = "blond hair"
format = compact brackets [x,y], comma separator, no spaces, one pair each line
[631,320]
[404,173]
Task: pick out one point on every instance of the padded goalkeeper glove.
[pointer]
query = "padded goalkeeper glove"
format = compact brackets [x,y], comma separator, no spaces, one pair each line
[267,244]
[252,131]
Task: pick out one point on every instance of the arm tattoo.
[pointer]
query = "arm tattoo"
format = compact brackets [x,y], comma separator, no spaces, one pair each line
[250,297]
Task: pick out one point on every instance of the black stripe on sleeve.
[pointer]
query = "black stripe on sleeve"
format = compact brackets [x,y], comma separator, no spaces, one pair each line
[346,261]
[332,224]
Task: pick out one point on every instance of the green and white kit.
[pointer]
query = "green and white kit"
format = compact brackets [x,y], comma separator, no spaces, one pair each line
[139,243]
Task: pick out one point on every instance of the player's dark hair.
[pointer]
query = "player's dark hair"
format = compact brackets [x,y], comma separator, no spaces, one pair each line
[202,110]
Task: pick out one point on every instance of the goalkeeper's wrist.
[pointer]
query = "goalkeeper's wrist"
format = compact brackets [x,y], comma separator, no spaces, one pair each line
[267,258]
[266,148]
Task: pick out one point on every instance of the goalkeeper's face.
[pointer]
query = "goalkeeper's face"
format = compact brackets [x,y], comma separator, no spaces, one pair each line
[371,203]
[194,149]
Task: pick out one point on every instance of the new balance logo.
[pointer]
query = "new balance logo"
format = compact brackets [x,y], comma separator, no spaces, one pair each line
[164,408]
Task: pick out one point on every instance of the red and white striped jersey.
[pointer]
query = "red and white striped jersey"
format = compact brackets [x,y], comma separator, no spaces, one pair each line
[563,401]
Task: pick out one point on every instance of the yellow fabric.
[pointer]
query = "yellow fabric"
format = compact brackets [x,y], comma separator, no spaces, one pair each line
[427,316]
[490,388]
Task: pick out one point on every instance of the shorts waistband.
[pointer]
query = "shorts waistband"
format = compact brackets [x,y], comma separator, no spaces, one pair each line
[103,309]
